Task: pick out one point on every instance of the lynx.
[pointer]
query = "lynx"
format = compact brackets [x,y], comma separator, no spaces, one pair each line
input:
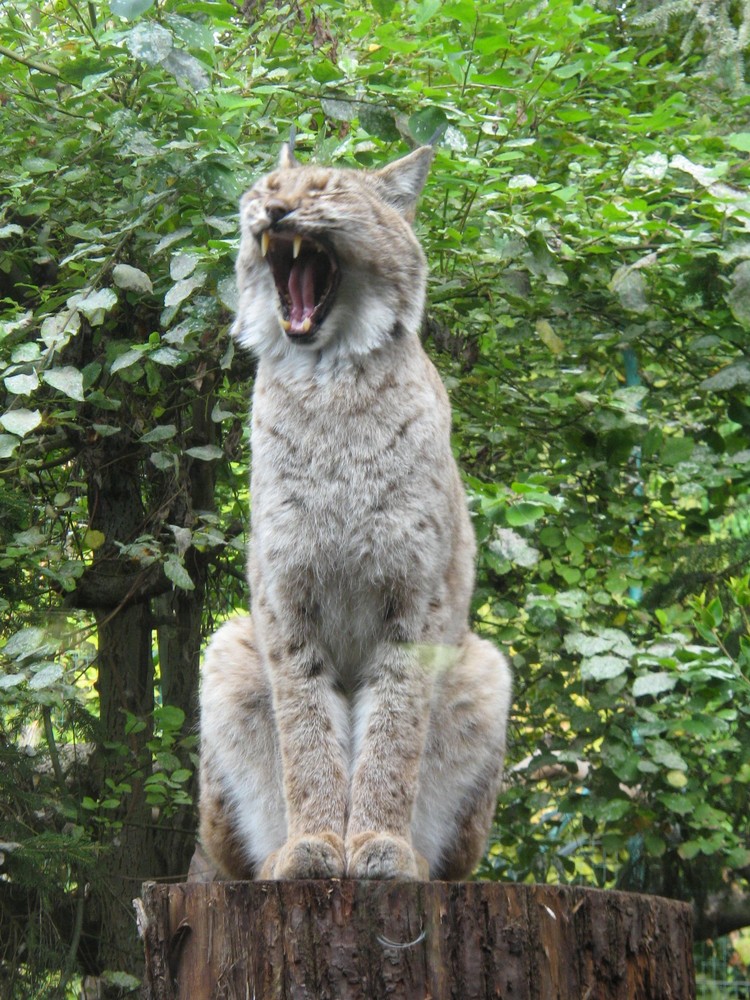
[353,726]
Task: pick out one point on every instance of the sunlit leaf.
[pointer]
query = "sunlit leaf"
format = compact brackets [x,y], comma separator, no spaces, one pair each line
[130,9]
[21,421]
[176,572]
[21,385]
[149,42]
[67,380]
[131,278]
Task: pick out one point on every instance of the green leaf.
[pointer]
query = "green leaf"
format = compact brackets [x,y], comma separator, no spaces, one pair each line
[8,445]
[511,546]
[176,572]
[46,677]
[22,385]
[183,289]
[131,279]
[740,140]
[665,754]
[548,336]
[689,850]
[676,450]
[126,360]
[424,124]
[732,376]
[163,432]
[653,684]
[167,356]
[378,121]
[677,779]
[182,265]
[605,640]
[96,304]
[150,42]
[205,453]
[739,295]
[28,642]
[169,717]
[11,680]
[518,514]
[676,803]
[187,70]
[94,539]
[603,668]
[21,421]
[121,980]
[130,9]
[68,381]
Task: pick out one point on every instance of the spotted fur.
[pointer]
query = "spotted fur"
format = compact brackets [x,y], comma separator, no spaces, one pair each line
[354,725]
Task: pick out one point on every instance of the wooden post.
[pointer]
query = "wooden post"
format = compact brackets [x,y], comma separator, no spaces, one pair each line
[345,940]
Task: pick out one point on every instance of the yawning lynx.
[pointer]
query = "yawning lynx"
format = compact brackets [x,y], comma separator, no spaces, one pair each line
[354,726]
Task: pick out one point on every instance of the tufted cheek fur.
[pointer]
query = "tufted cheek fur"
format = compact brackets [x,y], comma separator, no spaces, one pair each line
[382,267]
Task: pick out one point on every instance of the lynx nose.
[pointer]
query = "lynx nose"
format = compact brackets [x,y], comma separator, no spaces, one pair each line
[276,209]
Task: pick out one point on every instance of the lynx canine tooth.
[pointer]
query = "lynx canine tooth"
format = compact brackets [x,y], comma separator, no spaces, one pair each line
[306,325]
[296,247]
[264,242]
[285,324]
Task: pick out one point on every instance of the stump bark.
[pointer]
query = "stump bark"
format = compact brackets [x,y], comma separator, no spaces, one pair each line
[345,940]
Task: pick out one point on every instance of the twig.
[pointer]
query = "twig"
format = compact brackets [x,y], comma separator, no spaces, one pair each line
[41,67]
[52,745]
[72,955]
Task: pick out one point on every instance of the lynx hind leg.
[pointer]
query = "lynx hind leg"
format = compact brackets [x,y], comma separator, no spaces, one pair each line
[242,815]
[463,762]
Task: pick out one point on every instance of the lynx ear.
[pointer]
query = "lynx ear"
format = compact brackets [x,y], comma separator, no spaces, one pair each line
[401,182]
[287,159]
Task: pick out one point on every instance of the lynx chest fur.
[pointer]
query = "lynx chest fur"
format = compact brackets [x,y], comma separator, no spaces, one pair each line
[356,505]
[337,736]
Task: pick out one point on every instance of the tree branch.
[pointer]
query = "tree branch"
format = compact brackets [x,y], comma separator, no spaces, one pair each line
[40,67]
[723,912]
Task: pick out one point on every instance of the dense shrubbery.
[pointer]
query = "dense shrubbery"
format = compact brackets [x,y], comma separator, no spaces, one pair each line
[586,223]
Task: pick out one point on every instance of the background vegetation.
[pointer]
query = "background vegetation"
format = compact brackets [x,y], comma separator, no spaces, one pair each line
[587,223]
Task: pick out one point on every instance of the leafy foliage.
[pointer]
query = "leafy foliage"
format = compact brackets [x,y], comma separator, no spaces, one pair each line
[586,224]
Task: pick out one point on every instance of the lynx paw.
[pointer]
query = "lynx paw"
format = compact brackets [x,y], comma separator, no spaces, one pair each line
[315,856]
[384,855]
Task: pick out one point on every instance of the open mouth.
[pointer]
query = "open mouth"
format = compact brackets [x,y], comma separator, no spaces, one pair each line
[306,274]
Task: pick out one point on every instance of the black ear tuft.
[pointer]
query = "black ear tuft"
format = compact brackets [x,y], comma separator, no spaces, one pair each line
[287,159]
[437,135]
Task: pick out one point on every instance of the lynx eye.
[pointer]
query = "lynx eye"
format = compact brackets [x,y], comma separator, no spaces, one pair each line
[305,273]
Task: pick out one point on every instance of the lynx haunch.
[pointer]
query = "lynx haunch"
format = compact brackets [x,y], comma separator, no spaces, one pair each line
[353,725]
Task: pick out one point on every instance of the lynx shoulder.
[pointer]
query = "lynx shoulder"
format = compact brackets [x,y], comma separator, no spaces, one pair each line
[352,725]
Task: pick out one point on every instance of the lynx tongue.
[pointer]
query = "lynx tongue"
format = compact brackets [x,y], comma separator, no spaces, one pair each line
[301,289]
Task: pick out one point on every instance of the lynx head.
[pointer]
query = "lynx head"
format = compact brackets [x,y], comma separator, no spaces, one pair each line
[328,260]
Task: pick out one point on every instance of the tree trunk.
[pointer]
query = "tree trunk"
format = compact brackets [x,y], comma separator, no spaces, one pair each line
[345,940]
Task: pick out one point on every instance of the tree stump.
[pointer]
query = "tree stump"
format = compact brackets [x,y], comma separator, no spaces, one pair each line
[346,940]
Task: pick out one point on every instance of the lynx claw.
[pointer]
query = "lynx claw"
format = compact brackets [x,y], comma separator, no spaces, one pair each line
[314,856]
[384,856]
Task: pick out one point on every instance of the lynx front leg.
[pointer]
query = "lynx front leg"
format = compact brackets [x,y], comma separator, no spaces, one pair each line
[250,820]
[312,723]
[390,730]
